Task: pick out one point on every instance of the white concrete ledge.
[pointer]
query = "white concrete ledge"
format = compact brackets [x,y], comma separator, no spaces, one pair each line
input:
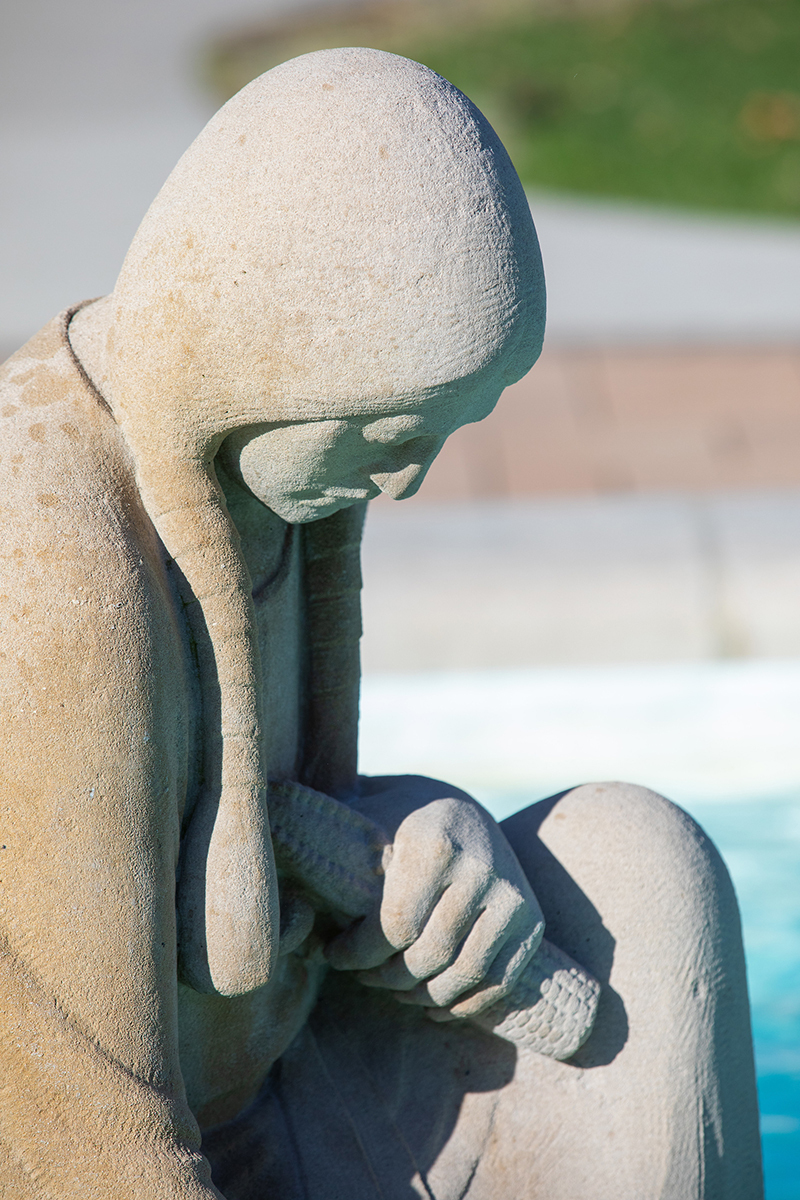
[697,732]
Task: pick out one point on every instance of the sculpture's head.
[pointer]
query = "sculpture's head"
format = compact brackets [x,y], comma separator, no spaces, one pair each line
[341,270]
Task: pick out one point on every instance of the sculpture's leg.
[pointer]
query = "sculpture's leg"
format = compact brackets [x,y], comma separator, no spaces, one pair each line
[661,1101]
[659,1105]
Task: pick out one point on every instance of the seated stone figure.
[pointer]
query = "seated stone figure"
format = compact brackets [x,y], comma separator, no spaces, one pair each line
[340,272]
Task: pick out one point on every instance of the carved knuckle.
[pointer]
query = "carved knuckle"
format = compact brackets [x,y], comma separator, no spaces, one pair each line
[441,849]
[482,873]
[506,902]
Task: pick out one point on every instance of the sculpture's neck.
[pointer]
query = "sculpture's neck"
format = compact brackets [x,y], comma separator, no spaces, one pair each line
[88,334]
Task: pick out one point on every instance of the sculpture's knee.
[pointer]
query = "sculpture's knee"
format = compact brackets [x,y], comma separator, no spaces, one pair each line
[633,889]
[617,863]
[653,857]
[631,839]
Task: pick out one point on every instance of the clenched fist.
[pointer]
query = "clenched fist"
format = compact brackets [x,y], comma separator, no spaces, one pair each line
[457,921]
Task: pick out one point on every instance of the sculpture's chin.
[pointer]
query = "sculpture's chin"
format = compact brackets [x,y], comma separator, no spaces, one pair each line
[302,512]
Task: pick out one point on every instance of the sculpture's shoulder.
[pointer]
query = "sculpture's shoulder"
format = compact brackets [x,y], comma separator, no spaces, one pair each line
[79,558]
[53,427]
[67,485]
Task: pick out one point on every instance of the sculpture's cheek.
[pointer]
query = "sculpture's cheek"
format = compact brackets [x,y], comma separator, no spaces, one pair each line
[228,1045]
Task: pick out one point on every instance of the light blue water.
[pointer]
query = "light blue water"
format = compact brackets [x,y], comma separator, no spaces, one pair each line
[760,842]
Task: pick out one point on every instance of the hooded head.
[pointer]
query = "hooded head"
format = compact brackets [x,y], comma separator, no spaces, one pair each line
[347,233]
[344,258]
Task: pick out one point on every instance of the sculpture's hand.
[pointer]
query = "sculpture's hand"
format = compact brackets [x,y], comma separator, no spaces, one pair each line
[458,920]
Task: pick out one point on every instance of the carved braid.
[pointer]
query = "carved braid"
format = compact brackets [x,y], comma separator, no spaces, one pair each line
[332,566]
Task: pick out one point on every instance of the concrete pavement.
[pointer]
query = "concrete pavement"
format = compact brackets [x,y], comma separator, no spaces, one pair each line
[628,274]
[637,578]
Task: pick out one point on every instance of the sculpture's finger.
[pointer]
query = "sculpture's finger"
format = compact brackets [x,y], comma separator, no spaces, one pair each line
[416,877]
[491,958]
[437,945]
[479,950]
[500,979]
[361,946]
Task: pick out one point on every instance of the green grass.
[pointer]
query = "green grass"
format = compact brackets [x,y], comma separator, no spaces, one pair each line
[694,103]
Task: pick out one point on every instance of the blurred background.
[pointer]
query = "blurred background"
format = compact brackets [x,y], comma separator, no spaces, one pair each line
[602,580]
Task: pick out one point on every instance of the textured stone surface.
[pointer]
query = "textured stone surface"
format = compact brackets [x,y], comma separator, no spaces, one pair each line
[340,272]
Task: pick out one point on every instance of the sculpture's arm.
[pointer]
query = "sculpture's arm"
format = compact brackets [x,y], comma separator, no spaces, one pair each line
[93,778]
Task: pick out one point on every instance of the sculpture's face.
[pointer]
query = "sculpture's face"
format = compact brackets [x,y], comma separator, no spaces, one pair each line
[306,470]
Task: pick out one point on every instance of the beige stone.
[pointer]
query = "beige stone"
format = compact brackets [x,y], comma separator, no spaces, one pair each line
[340,272]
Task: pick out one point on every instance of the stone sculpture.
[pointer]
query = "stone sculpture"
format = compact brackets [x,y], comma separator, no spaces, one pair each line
[340,271]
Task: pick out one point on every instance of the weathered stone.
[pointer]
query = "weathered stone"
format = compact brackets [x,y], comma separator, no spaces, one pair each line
[340,272]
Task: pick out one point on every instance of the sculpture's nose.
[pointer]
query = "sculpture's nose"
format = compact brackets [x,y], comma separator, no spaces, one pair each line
[405,481]
[400,484]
